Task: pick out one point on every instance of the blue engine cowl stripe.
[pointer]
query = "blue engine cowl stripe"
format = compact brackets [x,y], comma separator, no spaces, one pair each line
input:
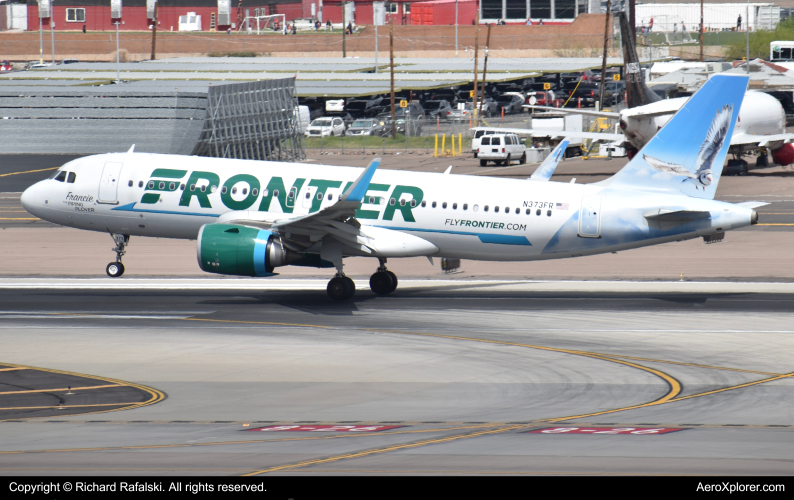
[260,252]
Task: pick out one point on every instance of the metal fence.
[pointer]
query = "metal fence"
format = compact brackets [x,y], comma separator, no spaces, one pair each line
[252,121]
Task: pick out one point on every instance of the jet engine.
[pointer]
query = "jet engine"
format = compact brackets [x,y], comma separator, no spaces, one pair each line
[241,250]
[784,155]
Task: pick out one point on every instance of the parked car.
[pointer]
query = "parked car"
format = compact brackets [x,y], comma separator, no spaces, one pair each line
[335,105]
[501,149]
[617,90]
[363,109]
[5,66]
[345,116]
[383,128]
[489,106]
[510,103]
[587,91]
[586,75]
[449,95]
[363,126]
[326,126]
[610,72]
[545,98]
[437,109]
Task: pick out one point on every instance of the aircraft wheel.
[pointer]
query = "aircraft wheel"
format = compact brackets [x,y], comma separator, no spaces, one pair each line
[115,269]
[393,280]
[340,288]
[483,163]
[381,283]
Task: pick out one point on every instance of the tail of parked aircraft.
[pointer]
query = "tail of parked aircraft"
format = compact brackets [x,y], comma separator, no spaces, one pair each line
[687,154]
[637,94]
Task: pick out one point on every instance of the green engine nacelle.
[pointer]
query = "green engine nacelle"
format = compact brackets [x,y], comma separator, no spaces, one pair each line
[241,251]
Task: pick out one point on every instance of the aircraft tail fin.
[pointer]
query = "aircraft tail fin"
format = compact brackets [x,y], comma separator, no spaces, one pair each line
[687,155]
[637,93]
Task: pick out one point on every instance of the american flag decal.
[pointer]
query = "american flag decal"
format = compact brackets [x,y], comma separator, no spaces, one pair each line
[562,206]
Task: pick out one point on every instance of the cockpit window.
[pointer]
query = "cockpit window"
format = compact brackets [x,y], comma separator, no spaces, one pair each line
[54,174]
[61,176]
[71,178]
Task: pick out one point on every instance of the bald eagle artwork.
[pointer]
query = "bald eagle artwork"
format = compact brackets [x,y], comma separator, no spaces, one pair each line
[715,138]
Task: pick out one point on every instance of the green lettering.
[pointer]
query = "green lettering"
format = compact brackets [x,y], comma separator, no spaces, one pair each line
[226,198]
[169,173]
[150,198]
[371,214]
[416,194]
[287,204]
[322,187]
[202,196]
[501,225]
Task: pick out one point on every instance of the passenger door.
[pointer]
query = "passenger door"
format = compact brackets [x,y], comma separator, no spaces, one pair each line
[109,183]
[590,217]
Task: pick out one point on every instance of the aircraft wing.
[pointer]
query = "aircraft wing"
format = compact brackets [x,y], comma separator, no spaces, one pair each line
[560,134]
[576,111]
[546,169]
[762,141]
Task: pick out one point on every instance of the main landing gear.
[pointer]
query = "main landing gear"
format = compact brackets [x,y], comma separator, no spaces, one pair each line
[341,287]
[116,269]
[383,282]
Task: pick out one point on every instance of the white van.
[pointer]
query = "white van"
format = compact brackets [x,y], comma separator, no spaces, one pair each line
[475,139]
[501,149]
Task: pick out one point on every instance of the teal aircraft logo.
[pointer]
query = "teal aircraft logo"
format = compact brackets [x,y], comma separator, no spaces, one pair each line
[247,192]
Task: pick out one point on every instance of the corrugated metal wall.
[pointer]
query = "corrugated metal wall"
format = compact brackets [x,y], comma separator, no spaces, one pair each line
[79,122]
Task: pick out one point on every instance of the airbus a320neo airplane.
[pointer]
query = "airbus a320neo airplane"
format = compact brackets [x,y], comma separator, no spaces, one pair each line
[251,217]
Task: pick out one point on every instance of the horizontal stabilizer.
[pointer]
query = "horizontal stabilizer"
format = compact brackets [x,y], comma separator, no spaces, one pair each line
[753,204]
[576,111]
[763,141]
[661,214]
[557,134]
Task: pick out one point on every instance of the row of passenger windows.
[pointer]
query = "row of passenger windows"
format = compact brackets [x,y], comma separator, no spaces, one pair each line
[293,192]
[64,176]
[476,208]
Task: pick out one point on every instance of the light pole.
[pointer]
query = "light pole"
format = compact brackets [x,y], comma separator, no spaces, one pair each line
[456,27]
[118,58]
[747,28]
[52,35]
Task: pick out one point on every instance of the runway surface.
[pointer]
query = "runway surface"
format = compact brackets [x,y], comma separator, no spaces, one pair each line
[458,372]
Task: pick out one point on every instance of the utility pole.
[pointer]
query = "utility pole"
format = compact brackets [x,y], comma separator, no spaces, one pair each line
[604,59]
[484,69]
[747,29]
[391,57]
[701,30]
[476,47]
[52,36]
[118,58]
[344,32]
[377,18]
[456,28]
[154,32]
[41,37]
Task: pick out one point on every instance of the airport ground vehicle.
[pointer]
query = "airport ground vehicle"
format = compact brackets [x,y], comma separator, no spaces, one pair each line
[477,135]
[545,98]
[501,149]
[327,126]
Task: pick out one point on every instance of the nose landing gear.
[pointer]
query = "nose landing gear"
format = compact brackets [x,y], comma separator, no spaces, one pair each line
[383,282]
[116,269]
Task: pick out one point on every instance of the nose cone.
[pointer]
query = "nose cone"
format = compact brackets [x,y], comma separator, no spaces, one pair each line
[28,198]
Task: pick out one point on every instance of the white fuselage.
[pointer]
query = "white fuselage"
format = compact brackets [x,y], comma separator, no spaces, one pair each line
[760,114]
[468,217]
